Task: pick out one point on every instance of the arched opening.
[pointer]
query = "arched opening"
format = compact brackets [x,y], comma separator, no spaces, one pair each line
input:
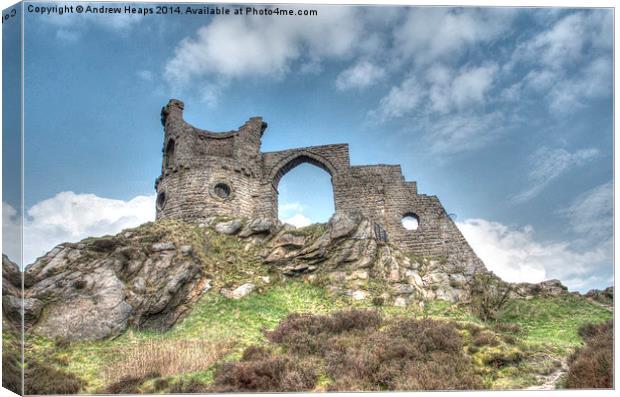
[169,154]
[410,221]
[305,194]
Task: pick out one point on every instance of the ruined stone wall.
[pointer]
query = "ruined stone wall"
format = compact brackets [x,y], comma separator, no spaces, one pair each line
[334,159]
[205,174]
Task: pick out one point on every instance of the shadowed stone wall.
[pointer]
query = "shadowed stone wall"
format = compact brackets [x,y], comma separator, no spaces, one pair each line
[205,174]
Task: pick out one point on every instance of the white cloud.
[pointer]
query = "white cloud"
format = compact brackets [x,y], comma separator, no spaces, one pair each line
[70,217]
[298,220]
[265,46]
[361,75]
[430,34]
[549,164]
[292,213]
[448,105]
[567,41]
[449,90]
[515,255]
[594,81]
[472,85]
[401,100]
[443,90]
[569,62]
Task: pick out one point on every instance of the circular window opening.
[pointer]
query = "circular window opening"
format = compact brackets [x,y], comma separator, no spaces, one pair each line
[410,221]
[161,200]
[222,190]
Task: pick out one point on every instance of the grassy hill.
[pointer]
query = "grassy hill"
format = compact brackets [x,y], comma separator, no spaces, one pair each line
[527,343]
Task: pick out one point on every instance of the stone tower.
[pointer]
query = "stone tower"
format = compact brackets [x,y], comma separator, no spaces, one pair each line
[206,174]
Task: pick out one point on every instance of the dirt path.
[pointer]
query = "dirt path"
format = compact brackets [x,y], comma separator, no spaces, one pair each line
[548,382]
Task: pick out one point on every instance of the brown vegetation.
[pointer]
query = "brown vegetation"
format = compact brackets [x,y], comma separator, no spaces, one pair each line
[592,366]
[154,358]
[40,378]
[261,370]
[353,350]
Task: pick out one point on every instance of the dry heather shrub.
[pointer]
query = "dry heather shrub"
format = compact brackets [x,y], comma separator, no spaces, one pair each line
[41,378]
[508,327]
[485,339]
[307,334]
[409,355]
[145,359]
[592,331]
[592,366]
[262,371]
[358,352]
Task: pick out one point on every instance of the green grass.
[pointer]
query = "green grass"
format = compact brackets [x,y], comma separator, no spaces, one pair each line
[554,321]
[549,327]
[243,320]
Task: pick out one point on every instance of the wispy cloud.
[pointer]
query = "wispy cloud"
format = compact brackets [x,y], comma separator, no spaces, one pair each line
[432,34]
[401,100]
[567,41]
[591,213]
[359,76]
[463,132]
[549,164]
[568,64]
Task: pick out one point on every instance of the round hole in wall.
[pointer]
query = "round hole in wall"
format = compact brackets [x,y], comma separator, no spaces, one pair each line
[222,190]
[410,221]
[161,200]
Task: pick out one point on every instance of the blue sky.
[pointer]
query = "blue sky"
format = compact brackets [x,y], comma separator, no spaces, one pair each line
[505,114]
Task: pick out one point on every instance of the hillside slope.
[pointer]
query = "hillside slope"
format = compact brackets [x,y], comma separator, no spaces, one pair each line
[163,306]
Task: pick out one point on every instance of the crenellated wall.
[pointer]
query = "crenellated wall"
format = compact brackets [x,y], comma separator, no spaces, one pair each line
[206,174]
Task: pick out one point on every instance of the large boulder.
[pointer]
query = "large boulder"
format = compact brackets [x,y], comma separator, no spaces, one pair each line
[258,226]
[97,288]
[229,227]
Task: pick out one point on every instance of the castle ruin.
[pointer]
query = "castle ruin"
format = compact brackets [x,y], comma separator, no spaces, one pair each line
[205,174]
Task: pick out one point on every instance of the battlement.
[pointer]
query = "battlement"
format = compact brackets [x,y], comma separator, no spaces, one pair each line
[205,174]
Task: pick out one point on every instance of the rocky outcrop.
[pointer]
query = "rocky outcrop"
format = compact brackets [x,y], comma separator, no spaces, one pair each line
[97,288]
[605,297]
[546,288]
[149,277]
[353,260]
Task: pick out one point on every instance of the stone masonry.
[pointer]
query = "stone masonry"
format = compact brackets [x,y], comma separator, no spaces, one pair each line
[206,174]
